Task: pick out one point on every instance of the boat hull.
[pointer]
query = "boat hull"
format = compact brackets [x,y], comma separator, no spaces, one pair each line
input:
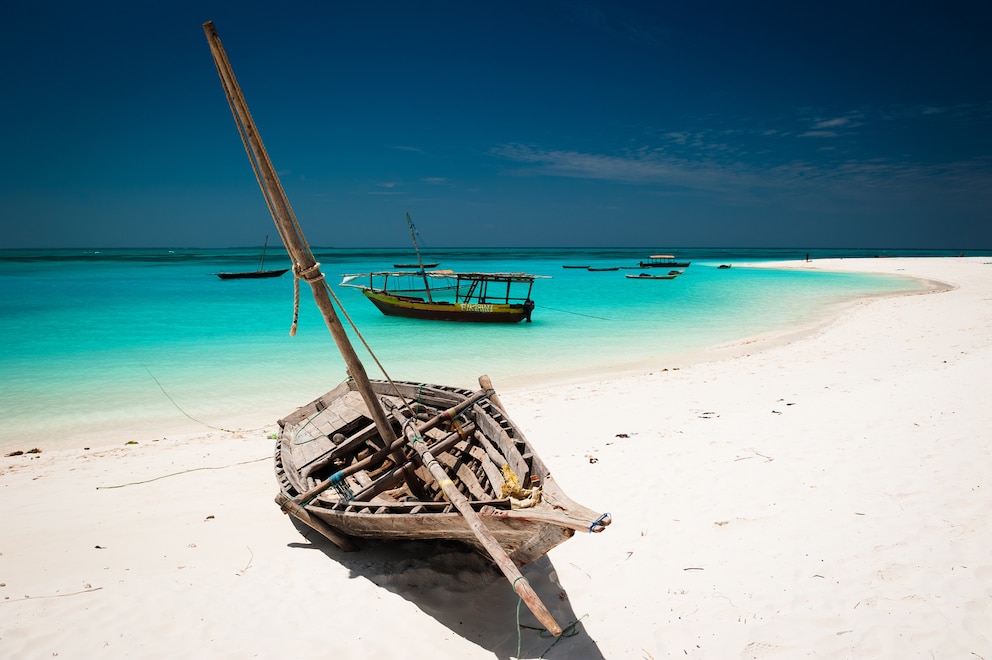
[314,442]
[252,275]
[418,308]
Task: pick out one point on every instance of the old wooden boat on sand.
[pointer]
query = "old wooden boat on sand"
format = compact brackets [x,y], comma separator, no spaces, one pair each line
[398,460]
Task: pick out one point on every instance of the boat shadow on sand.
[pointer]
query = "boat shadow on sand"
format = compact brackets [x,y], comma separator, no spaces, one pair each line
[466,593]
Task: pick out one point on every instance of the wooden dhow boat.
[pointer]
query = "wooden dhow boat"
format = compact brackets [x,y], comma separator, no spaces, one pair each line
[445,295]
[400,460]
[663,261]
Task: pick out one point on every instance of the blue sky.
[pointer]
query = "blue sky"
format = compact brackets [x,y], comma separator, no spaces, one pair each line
[554,123]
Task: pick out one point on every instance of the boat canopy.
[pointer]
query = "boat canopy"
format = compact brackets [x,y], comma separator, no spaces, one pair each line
[449,274]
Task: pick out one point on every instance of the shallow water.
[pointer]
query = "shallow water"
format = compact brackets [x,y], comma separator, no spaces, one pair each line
[113,345]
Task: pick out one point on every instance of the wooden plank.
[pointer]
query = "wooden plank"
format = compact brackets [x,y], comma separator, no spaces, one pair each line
[459,467]
[505,445]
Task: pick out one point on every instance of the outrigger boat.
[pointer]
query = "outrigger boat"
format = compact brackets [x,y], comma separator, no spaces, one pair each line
[663,261]
[397,460]
[444,295]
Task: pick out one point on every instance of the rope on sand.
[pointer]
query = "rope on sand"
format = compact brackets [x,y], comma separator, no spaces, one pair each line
[175,474]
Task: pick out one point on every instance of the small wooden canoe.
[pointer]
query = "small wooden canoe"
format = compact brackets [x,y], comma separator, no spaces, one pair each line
[380,492]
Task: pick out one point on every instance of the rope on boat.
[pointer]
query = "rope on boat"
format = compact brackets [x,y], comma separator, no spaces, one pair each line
[600,523]
[309,276]
[520,498]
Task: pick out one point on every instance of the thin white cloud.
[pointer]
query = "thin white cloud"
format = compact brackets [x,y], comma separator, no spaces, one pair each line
[851,179]
[833,123]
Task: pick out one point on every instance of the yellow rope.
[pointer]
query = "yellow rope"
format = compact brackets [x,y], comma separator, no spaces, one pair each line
[520,498]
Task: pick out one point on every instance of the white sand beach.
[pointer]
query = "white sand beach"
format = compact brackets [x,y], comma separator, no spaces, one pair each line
[827,496]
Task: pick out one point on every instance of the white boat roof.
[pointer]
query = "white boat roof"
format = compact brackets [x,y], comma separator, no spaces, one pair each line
[662,256]
[444,273]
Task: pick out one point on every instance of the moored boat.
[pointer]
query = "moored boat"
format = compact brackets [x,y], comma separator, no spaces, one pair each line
[663,261]
[449,296]
[254,274]
[672,274]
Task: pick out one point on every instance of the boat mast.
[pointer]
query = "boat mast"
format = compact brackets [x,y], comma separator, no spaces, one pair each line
[420,261]
[261,264]
[304,265]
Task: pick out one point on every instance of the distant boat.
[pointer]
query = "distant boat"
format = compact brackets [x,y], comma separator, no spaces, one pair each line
[722,266]
[449,296]
[420,262]
[663,261]
[600,270]
[584,267]
[254,274]
[672,274]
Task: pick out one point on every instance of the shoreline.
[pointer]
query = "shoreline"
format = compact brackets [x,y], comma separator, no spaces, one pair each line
[754,343]
[823,495]
[155,431]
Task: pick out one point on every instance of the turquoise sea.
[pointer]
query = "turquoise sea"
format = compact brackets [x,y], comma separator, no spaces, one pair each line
[99,347]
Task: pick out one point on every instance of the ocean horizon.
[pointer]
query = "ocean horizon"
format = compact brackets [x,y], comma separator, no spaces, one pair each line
[105,346]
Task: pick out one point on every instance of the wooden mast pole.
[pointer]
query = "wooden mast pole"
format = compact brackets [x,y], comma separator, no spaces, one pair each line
[420,261]
[261,264]
[305,266]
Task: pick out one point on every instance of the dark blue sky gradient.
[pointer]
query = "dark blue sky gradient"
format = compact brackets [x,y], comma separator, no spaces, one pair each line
[554,123]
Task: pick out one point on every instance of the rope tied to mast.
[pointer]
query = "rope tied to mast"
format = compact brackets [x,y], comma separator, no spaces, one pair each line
[311,274]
